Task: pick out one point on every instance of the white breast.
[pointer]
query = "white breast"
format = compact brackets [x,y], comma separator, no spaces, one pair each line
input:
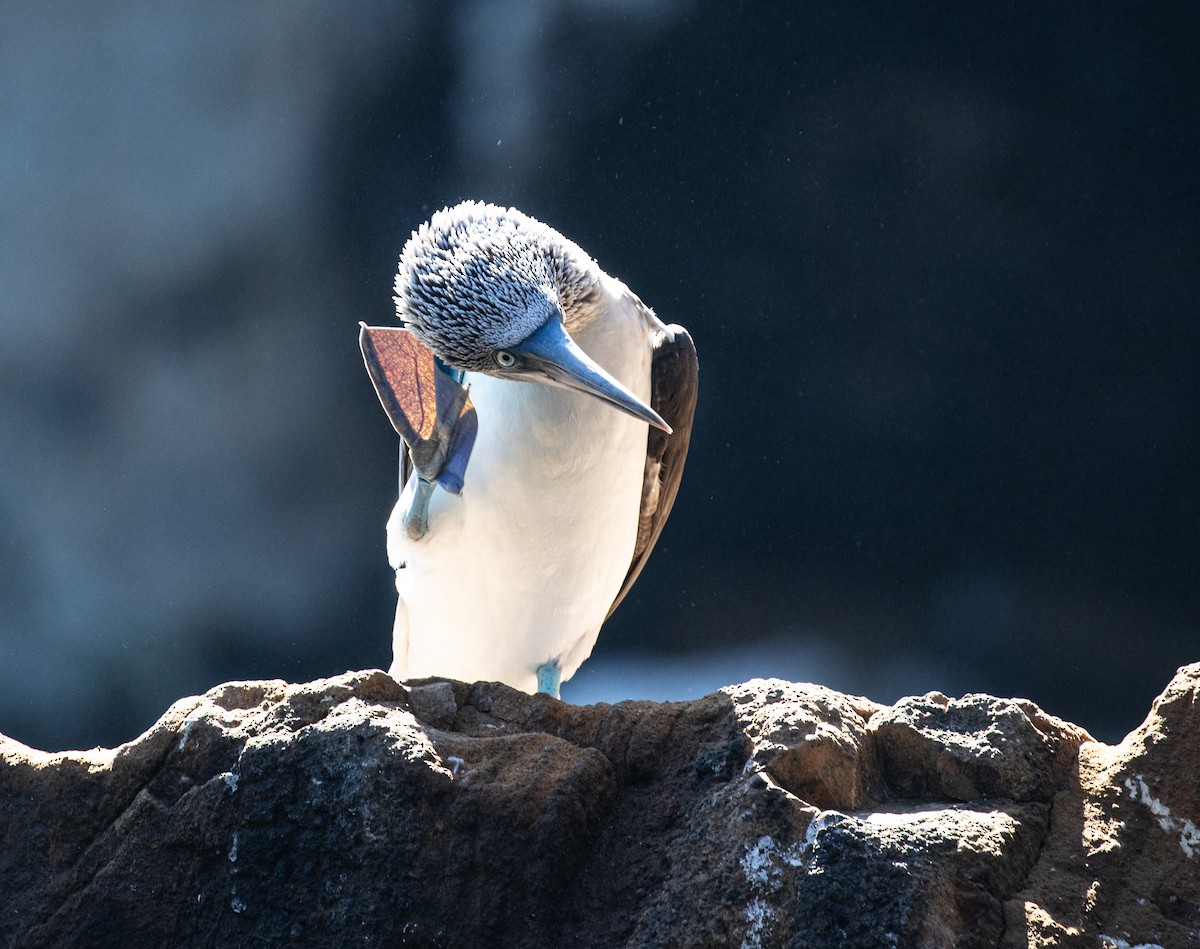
[522,568]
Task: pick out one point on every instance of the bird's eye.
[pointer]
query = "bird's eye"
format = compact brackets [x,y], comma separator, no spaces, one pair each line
[505,360]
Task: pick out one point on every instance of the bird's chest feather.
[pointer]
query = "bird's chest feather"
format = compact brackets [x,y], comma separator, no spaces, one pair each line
[549,460]
[555,478]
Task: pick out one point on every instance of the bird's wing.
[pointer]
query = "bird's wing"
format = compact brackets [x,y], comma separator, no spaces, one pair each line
[674,380]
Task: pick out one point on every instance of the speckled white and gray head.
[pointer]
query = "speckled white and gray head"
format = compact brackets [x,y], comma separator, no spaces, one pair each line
[492,290]
[563,496]
[477,278]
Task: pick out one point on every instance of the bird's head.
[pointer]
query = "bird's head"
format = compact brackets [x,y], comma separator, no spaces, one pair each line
[488,289]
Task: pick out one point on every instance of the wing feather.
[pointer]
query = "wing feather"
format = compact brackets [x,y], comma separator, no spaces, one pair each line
[674,382]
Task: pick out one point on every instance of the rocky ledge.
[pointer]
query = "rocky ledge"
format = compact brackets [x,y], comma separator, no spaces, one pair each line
[355,810]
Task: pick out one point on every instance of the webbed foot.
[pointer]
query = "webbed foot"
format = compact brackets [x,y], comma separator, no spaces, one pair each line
[549,678]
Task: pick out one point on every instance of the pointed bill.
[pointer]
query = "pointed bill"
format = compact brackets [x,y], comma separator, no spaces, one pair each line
[550,355]
[427,408]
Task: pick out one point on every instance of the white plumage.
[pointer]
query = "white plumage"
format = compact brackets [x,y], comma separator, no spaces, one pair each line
[521,568]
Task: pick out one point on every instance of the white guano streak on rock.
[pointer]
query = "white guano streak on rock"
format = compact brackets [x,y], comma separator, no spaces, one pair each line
[762,865]
[761,918]
[816,825]
[186,730]
[1189,833]
[758,865]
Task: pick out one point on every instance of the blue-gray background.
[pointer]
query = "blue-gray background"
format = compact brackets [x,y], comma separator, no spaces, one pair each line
[940,261]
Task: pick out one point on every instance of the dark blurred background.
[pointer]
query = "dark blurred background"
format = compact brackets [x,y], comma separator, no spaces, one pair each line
[941,263]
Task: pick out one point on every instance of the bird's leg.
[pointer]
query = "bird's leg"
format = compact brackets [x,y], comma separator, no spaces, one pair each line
[549,678]
[416,521]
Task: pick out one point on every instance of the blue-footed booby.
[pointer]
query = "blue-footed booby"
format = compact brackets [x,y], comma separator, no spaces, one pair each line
[546,414]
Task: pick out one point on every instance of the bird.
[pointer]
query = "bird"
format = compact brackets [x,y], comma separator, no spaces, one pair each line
[538,480]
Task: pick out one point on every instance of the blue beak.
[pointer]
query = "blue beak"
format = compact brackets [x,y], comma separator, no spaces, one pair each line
[550,355]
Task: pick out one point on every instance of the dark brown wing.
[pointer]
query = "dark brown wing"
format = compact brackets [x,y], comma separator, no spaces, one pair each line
[674,381]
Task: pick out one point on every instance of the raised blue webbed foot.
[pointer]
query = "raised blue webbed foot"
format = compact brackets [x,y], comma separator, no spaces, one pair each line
[549,678]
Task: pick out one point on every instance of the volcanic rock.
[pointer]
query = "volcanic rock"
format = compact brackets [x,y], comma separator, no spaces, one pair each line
[360,811]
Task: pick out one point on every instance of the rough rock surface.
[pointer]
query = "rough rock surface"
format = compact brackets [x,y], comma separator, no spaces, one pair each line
[355,810]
